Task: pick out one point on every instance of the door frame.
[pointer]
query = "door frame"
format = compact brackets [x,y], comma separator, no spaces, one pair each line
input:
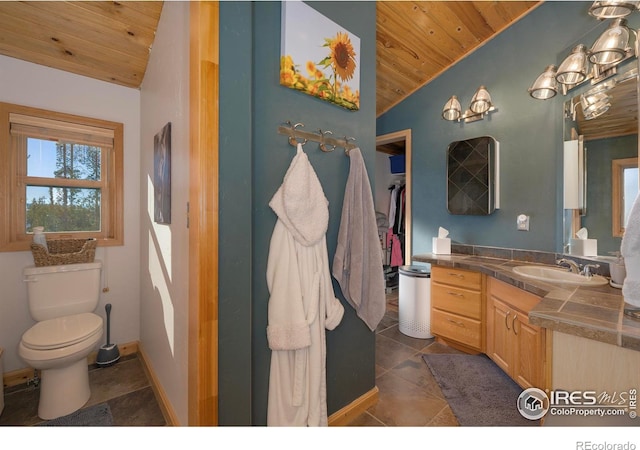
[203,213]
[403,135]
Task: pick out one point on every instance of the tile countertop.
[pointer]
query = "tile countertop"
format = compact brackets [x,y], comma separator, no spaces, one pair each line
[590,312]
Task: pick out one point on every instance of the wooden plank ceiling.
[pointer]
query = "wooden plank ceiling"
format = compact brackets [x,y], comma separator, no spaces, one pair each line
[417,41]
[111,41]
[108,41]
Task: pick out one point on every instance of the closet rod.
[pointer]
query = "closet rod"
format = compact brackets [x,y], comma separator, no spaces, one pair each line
[320,136]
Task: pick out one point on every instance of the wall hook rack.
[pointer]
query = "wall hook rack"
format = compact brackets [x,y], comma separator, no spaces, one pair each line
[325,138]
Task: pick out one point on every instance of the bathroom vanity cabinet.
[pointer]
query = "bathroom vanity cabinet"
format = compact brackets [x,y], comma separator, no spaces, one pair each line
[457,307]
[477,313]
[516,346]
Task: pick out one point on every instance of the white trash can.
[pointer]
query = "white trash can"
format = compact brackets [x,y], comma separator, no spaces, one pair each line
[414,301]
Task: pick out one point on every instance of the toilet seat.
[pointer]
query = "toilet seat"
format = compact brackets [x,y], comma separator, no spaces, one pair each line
[62,331]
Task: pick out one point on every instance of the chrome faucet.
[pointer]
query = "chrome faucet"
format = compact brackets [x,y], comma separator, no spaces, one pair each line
[586,270]
[570,264]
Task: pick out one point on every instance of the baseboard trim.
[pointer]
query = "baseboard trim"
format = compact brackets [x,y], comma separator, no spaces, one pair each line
[163,401]
[345,415]
[21,376]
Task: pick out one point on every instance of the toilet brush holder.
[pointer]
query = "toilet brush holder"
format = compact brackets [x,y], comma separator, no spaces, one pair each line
[108,353]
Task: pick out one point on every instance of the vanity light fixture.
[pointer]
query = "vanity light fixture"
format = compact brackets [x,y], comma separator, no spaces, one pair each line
[452,109]
[480,106]
[594,102]
[546,85]
[573,69]
[610,49]
[613,44]
[595,105]
[611,9]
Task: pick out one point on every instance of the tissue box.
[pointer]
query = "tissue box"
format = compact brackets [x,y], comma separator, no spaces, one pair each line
[441,246]
[583,247]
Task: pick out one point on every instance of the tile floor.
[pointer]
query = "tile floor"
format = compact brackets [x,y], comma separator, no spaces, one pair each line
[408,393]
[123,386]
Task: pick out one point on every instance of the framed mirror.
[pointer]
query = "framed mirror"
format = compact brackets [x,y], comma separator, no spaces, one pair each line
[610,150]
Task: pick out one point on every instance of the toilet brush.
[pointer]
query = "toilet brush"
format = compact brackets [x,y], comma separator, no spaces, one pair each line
[109,353]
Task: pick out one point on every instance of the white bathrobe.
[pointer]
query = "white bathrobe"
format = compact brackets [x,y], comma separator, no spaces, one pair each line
[302,303]
[630,249]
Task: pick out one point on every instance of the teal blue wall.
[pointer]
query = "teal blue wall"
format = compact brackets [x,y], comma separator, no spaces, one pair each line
[235,203]
[253,161]
[529,131]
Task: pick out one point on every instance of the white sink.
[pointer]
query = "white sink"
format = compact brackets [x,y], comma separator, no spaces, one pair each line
[559,275]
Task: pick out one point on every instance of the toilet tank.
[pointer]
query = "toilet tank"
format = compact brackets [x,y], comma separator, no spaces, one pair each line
[55,291]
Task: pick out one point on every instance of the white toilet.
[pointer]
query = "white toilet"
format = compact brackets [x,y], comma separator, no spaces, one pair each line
[62,300]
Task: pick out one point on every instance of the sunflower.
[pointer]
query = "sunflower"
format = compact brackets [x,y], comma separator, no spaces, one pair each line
[343,56]
[311,68]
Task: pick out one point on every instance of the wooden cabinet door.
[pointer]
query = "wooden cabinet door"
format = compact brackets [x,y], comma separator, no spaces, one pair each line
[529,354]
[499,335]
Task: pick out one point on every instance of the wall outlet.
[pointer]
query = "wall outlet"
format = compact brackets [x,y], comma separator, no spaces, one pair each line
[522,222]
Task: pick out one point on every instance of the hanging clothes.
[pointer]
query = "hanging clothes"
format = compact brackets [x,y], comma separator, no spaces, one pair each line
[302,303]
[397,207]
[393,242]
[356,263]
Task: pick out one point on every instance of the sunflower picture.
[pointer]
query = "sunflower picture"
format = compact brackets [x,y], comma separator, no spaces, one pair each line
[318,57]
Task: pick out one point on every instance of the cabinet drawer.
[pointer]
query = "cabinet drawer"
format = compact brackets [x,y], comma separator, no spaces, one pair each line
[457,328]
[459,301]
[458,277]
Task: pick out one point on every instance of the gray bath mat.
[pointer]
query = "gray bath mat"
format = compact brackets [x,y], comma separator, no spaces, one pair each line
[93,416]
[479,392]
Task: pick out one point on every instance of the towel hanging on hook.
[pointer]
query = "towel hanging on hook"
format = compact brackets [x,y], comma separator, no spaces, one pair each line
[348,147]
[292,138]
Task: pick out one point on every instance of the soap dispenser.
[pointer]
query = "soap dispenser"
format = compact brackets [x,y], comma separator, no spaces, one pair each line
[617,270]
[39,237]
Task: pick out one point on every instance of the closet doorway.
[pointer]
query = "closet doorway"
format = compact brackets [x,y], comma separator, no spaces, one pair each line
[393,186]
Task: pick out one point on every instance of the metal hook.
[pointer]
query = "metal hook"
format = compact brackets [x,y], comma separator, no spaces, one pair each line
[323,146]
[292,139]
[347,146]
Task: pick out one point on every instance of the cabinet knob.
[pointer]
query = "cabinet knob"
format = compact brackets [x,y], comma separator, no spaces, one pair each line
[455,294]
[506,320]
[513,324]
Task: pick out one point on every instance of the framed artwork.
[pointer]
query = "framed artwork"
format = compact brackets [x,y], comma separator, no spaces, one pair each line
[162,175]
[318,57]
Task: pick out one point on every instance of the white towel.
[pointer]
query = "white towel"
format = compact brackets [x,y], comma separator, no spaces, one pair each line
[357,262]
[630,249]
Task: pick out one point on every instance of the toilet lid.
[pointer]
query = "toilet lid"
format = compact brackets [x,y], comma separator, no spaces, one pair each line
[62,331]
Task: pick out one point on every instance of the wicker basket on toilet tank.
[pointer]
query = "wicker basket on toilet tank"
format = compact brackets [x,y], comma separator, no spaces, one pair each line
[64,251]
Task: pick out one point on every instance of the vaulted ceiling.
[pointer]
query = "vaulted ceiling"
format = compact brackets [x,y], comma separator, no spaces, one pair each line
[111,41]
[417,41]
[108,41]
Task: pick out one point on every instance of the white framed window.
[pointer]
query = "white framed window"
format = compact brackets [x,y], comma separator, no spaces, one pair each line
[624,190]
[61,172]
